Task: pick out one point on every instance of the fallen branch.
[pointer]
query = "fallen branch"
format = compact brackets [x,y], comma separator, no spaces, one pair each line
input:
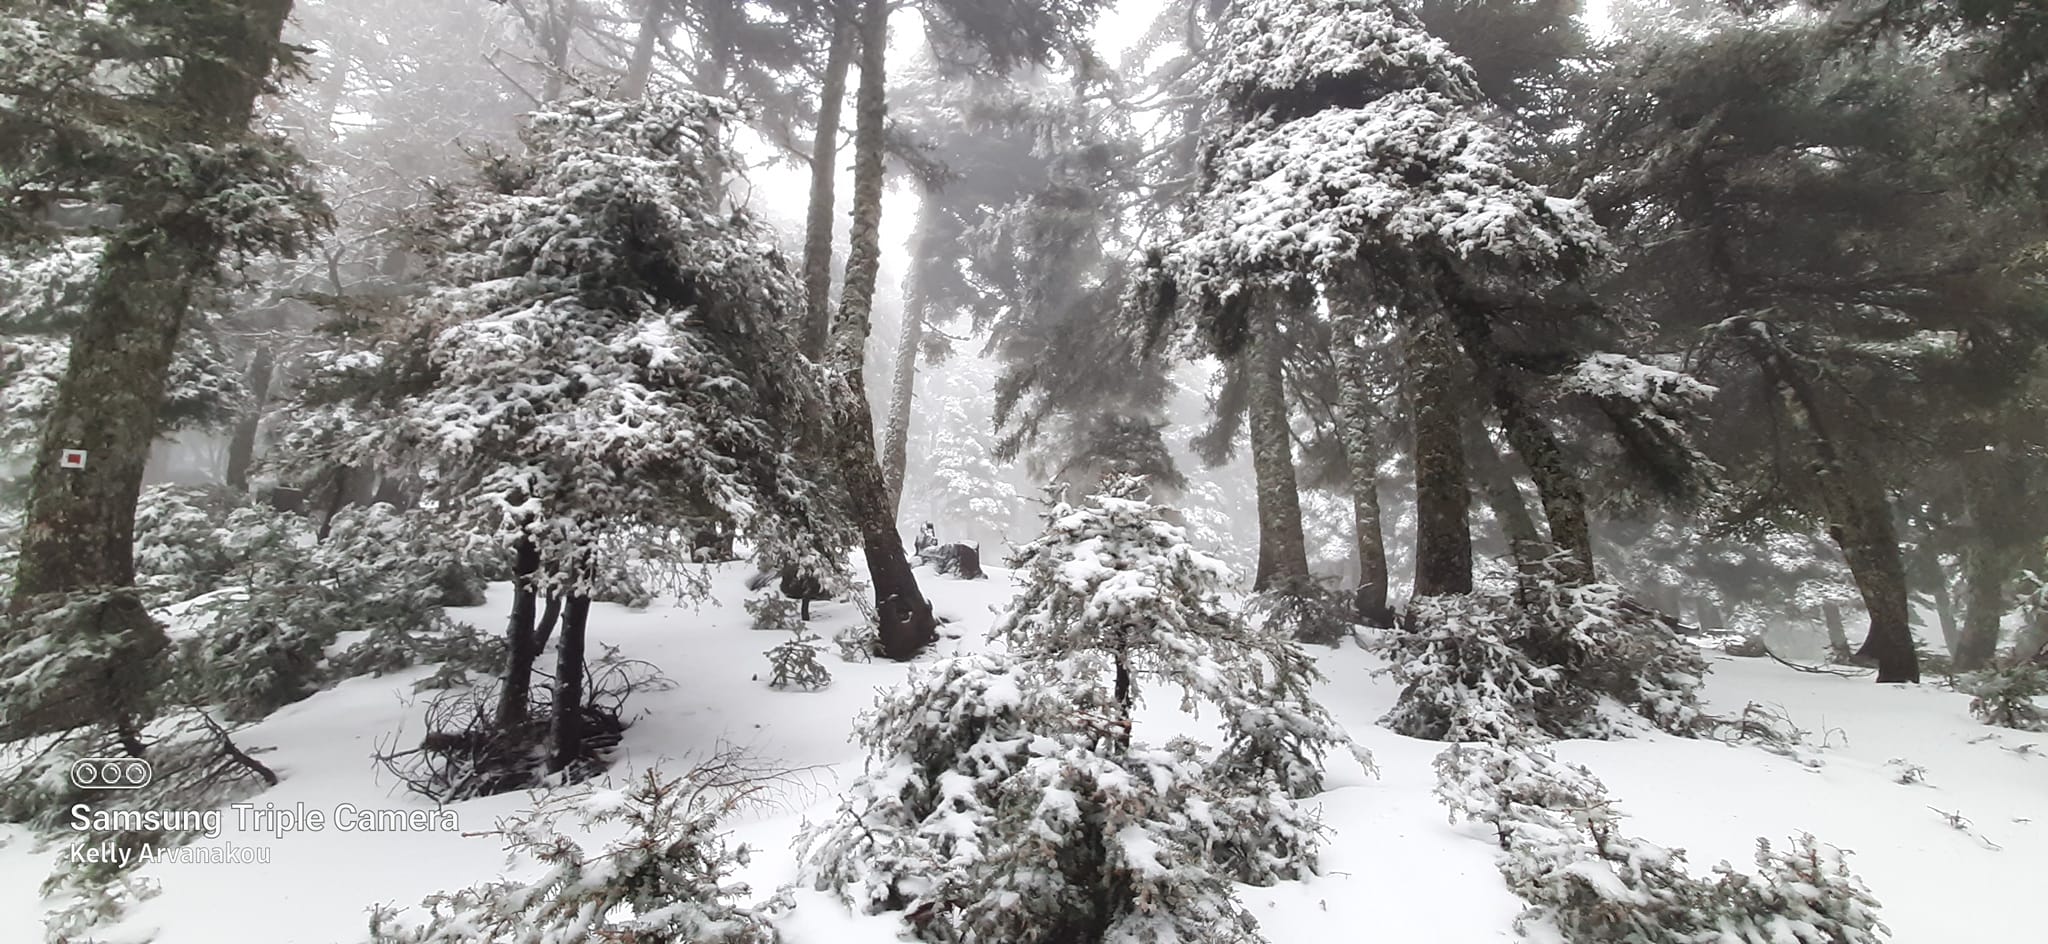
[1816,669]
[227,746]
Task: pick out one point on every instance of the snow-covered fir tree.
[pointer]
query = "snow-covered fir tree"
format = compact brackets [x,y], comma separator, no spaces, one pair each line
[1008,797]
[602,370]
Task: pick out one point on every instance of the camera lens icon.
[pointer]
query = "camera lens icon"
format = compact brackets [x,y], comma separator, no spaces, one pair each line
[111,773]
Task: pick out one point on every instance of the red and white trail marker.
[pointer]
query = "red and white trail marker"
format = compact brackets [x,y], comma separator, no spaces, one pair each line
[72,459]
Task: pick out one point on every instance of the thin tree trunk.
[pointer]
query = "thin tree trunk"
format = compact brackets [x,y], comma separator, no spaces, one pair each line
[1283,549]
[560,38]
[79,529]
[1443,502]
[1510,510]
[1944,604]
[905,617]
[1860,522]
[916,307]
[568,733]
[550,612]
[242,448]
[516,689]
[1362,462]
[817,331]
[641,65]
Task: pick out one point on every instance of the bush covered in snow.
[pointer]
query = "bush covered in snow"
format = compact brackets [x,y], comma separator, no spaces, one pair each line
[2007,696]
[1490,667]
[1586,883]
[264,639]
[189,540]
[1006,798]
[796,663]
[668,880]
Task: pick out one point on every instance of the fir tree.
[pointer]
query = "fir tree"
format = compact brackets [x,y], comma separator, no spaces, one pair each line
[1008,798]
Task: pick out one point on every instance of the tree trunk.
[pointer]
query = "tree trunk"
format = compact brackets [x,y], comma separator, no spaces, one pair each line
[1838,634]
[1986,574]
[79,528]
[242,448]
[1563,498]
[1443,502]
[568,733]
[640,65]
[1283,549]
[1362,463]
[516,690]
[549,614]
[817,331]
[561,35]
[1995,501]
[905,617]
[1504,497]
[1944,604]
[1860,522]
[916,307]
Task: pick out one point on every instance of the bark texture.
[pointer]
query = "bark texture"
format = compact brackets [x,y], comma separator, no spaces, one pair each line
[1443,501]
[567,730]
[79,527]
[817,331]
[1859,518]
[515,690]
[1283,549]
[905,617]
[1362,456]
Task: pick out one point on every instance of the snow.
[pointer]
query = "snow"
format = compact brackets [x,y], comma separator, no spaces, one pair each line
[1393,863]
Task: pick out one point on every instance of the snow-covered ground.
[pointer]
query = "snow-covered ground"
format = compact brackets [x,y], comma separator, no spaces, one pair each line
[1394,869]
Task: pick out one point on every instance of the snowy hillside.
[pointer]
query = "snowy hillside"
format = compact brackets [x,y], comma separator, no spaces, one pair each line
[1394,869]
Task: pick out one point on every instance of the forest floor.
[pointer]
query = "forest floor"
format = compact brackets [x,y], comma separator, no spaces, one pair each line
[1393,868]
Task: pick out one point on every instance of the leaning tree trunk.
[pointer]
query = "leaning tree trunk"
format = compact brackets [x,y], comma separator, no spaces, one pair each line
[1510,510]
[916,308]
[1559,490]
[242,448]
[78,533]
[567,732]
[1860,522]
[1283,549]
[640,65]
[905,617]
[561,27]
[817,333]
[1361,460]
[1443,501]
